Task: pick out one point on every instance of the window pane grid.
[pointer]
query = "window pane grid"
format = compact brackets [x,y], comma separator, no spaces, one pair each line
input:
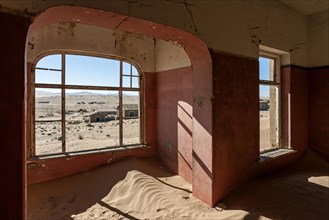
[70,116]
[269,88]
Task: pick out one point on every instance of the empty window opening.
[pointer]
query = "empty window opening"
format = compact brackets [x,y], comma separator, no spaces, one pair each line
[79,103]
[269,103]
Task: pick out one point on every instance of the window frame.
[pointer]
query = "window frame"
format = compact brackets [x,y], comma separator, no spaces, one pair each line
[62,86]
[277,83]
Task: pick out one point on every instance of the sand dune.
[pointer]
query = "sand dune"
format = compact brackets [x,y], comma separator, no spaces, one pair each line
[144,189]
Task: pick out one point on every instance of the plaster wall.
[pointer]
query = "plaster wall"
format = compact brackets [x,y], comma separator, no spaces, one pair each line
[175,119]
[318,39]
[88,38]
[234,22]
[97,40]
[319,111]
[54,168]
[236,120]
[299,93]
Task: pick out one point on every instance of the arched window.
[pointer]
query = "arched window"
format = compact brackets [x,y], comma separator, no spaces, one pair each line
[79,103]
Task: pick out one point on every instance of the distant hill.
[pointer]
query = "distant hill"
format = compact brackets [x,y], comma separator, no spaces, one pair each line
[50,94]
[46,94]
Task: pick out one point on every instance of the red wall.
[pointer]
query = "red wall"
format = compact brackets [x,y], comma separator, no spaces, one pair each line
[49,169]
[174,120]
[319,110]
[12,50]
[150,100]
[236,120]
[299,108]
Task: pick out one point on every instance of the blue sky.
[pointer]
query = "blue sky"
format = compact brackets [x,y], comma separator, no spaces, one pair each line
[85,70]
[264,74]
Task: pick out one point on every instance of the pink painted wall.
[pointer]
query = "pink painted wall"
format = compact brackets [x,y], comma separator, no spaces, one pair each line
[174,120]
[236,121]
[49,169]
[299,108]
[319,110]
[150,98]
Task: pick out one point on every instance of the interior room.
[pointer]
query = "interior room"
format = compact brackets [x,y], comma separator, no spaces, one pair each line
[169,109]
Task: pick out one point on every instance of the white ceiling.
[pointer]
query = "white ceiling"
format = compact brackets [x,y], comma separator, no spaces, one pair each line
[307,7]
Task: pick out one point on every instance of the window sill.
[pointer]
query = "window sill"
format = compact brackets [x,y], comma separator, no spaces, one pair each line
[274,154]
[87,152]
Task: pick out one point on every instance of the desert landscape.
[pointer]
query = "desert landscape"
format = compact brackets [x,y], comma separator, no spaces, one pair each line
[264,127]
[264,132]
[81,134]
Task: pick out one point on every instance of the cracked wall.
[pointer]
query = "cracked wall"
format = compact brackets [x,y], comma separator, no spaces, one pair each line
[151,54]
[226,26]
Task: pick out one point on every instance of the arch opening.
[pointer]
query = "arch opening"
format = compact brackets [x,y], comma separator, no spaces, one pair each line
[176,70]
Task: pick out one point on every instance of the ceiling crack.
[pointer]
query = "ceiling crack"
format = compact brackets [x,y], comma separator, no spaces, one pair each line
[191,15]
[125,19]
[134,3]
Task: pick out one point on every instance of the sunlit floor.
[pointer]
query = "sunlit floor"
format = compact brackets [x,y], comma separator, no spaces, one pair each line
[144,189]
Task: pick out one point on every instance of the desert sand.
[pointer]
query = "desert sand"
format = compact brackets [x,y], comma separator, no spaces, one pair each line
[81,135]
[144,189]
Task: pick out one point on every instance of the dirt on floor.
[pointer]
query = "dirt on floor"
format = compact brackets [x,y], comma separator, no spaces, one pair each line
[145,189]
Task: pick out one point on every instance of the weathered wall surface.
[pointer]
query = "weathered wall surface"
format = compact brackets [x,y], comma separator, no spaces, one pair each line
[318,43]
[88,38]
[54,168]
[235,21]
[235,121]
[294,107]
[12,169]
[299,108]
[152,55]
[174,120]
[225,26]
[319,111]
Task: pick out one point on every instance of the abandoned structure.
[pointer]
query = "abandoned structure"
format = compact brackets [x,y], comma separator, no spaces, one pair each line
[199,61]
[100,116]
[129,111]
[263,105]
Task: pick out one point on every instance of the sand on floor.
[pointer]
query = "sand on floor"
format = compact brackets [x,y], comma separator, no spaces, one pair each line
[144,189]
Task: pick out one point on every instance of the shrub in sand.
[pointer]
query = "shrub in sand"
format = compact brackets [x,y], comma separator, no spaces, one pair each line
[80,137]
